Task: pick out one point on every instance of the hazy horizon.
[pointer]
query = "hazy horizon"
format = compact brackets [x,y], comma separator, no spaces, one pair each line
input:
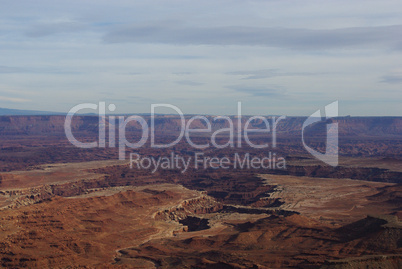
[93,113]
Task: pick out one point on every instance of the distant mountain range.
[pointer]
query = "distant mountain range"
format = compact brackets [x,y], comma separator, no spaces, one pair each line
[32,122]
[13,112]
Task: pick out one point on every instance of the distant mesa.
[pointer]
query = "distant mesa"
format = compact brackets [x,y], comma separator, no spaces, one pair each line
[19,112]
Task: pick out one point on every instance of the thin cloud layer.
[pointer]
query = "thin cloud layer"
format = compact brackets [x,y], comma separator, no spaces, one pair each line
[13,99]
[394,78]
[261,74]
[42,30]
[304,39]
[10,69]
[189,83]
[259,91]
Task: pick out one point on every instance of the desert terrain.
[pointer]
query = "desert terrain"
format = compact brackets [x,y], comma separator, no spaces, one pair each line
[66,207]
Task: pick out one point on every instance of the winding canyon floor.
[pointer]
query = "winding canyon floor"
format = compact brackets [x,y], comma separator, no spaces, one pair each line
[96,214]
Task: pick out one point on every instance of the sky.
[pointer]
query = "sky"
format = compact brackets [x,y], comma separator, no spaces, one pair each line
[276,57]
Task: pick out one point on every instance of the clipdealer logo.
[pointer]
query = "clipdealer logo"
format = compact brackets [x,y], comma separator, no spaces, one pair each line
[331,155]
[117,126]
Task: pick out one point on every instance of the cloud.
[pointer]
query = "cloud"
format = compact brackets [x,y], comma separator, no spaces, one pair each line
[36,69]
[392,79]
[291,38]
[256,74]
[183,73]
[48,29]
[268,73]
[259,91]
[14,99]
[189,83]
[10,69]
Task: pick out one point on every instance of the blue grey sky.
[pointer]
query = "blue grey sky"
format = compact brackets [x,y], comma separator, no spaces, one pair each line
[276,57]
